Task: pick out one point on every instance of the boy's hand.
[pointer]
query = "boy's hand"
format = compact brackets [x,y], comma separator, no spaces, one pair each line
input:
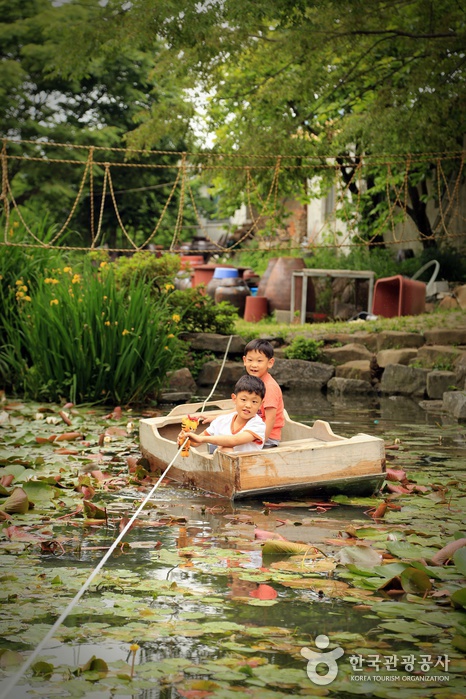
[206,419]
[193,437]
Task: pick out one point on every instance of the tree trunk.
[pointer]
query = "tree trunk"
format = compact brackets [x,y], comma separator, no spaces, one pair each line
[418,213]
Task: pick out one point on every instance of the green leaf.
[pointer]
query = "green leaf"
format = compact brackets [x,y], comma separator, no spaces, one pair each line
[43,669]
[415,581]
[17,503]
[459,558]
[287,548]
[402,549]
[458,598]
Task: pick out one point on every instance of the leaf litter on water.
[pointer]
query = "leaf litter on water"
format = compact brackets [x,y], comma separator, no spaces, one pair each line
[185,589]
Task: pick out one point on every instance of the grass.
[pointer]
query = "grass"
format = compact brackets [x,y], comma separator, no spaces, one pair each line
[287,331]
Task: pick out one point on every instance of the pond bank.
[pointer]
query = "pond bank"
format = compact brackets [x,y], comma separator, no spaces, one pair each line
[428,365]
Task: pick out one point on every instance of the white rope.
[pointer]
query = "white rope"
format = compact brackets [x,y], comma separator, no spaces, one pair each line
[15,679]
[219,374]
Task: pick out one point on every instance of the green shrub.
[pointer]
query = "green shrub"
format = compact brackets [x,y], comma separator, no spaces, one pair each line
[302,348]
[198,312]
[84,339]
[158,272]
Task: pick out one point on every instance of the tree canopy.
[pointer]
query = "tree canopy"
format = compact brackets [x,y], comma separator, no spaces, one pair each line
[113,92]
[304,78]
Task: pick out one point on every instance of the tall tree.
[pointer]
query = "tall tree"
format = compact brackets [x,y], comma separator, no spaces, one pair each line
[115,90]
[314,78]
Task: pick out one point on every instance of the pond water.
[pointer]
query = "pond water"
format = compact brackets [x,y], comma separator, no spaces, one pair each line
[190,607]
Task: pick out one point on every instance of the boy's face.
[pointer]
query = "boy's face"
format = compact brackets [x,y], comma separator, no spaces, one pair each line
[246,404]
[257,363]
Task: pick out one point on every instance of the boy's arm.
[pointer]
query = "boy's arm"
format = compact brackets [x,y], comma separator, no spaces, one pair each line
[270,415]
[223,440]
[207,419]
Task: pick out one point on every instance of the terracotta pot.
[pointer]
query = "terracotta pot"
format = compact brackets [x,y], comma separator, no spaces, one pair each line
[256,308]
[278,286]
[235,291]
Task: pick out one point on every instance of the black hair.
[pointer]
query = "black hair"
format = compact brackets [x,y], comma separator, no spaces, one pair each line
[250,384]
[263,346]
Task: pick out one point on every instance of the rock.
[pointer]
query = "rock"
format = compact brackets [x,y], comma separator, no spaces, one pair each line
[347,353]
[439,382]
[360,369]
[454,402]
[369,340]
[459,366]
[181,380]
[396,339]
[343,386]
[405,380]
[460,294]
[448,303]
[396,356]
[175,397]
[432,406]
[230,374]
[445,336]
[438,354]
[213,342]
[297,373]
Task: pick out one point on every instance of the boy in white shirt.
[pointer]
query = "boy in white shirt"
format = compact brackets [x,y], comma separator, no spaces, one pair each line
[242,430]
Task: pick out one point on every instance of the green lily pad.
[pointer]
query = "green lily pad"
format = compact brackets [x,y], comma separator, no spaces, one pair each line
[458,598]
[415,581]
[402,549]
[459,558]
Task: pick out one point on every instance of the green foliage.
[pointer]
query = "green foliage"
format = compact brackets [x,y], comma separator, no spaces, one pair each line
[303,348]
[115,92]
[194,361]
[157,272]
[198,312]
[84,339]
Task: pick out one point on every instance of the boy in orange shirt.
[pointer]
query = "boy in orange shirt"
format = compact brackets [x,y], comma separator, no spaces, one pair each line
[258,359]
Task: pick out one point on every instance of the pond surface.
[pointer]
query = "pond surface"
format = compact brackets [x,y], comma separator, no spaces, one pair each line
[191,606]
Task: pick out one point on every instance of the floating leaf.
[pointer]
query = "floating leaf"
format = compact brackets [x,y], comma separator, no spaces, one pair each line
[96,665]
[17,503]
[286,548]
[361,556]
[415,581]
[459,558]
[42,669]
[458,598]
[92,511]
[403,549]
[10,658]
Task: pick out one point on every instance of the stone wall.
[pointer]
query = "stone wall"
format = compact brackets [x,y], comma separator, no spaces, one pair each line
[430,366]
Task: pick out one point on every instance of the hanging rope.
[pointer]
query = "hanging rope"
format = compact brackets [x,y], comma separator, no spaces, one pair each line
[263,205]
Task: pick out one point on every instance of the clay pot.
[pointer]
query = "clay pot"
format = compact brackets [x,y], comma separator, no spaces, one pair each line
[204,273]
[265,277]
[278,285]
[233,290]
[255,309]
[220,275]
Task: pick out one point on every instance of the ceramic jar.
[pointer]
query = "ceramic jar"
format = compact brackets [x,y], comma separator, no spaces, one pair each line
[235,291]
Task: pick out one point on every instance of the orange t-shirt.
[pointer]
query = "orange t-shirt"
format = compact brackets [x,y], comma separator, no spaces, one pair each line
[273,399]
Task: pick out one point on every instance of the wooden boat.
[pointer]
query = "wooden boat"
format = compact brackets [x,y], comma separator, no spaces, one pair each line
[308,460]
